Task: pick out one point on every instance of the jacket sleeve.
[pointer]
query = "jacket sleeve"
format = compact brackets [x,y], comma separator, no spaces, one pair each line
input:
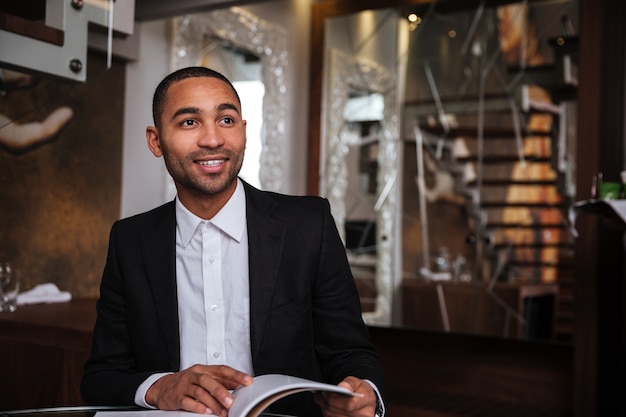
[342,339]
[127,343]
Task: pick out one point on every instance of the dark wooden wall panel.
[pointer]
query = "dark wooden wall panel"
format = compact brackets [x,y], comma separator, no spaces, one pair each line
[599,293]
[431,373]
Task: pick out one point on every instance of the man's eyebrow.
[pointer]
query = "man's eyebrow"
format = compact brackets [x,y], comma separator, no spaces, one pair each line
[186,110]
[227,106]
[196,110]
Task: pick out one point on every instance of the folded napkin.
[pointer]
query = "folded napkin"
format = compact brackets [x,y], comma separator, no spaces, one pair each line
[43,293]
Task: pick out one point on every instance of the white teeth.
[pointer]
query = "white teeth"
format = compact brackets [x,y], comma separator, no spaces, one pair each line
[211,163]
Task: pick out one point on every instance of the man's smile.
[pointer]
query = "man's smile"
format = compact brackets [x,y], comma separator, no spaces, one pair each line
[212,163]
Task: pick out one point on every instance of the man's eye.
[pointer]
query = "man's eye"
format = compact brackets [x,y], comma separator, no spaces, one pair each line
[228,120]
[187,123]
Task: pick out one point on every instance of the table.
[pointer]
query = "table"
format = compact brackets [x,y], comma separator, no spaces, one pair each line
[86,411]
[44,348]
[74,411]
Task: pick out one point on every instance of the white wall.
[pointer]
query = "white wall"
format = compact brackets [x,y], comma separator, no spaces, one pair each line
[143,175]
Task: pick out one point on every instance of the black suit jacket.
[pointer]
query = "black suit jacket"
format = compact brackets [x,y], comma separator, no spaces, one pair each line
[305,317]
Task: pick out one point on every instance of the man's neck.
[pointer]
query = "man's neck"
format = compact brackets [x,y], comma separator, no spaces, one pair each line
[206,206]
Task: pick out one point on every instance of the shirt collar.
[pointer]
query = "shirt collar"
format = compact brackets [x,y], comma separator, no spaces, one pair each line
[231,219]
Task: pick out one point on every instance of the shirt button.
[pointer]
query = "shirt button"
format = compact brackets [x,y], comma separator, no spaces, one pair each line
[216,355]
[214,307]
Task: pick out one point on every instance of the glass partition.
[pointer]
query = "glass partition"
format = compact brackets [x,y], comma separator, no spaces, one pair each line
[451,192]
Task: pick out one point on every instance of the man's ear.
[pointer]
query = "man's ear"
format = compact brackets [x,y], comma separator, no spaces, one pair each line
[152,137]
[245,131]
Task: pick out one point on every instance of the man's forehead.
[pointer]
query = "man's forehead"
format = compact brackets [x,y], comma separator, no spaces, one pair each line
[195,81]
[217,88]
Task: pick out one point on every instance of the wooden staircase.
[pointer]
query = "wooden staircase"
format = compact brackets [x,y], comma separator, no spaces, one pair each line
[521,190]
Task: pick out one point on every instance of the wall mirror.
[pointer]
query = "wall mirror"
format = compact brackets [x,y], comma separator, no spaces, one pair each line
[252,53]
[452,191]
[358,161]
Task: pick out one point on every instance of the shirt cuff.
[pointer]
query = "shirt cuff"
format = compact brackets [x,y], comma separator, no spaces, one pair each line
[140,394]
[380,407]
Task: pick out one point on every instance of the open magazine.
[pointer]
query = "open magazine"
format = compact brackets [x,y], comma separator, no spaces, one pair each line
[249,401]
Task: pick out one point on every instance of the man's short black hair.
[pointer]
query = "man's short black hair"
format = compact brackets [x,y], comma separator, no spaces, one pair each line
[160,94]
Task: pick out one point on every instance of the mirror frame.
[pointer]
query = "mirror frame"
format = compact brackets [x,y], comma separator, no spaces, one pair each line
[345,72]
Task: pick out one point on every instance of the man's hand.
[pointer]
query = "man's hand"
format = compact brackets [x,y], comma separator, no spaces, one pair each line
[200,389]
[337,405]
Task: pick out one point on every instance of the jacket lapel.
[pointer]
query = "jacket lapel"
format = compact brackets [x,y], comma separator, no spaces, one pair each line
[159,257]
[265,246]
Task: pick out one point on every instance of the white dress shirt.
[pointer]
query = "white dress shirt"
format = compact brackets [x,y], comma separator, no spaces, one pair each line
[213,289]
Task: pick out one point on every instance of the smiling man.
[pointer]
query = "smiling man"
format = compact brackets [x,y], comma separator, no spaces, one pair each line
[202,141]
[225,282]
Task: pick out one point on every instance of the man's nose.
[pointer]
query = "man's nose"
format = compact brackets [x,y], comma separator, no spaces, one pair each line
[210,137]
